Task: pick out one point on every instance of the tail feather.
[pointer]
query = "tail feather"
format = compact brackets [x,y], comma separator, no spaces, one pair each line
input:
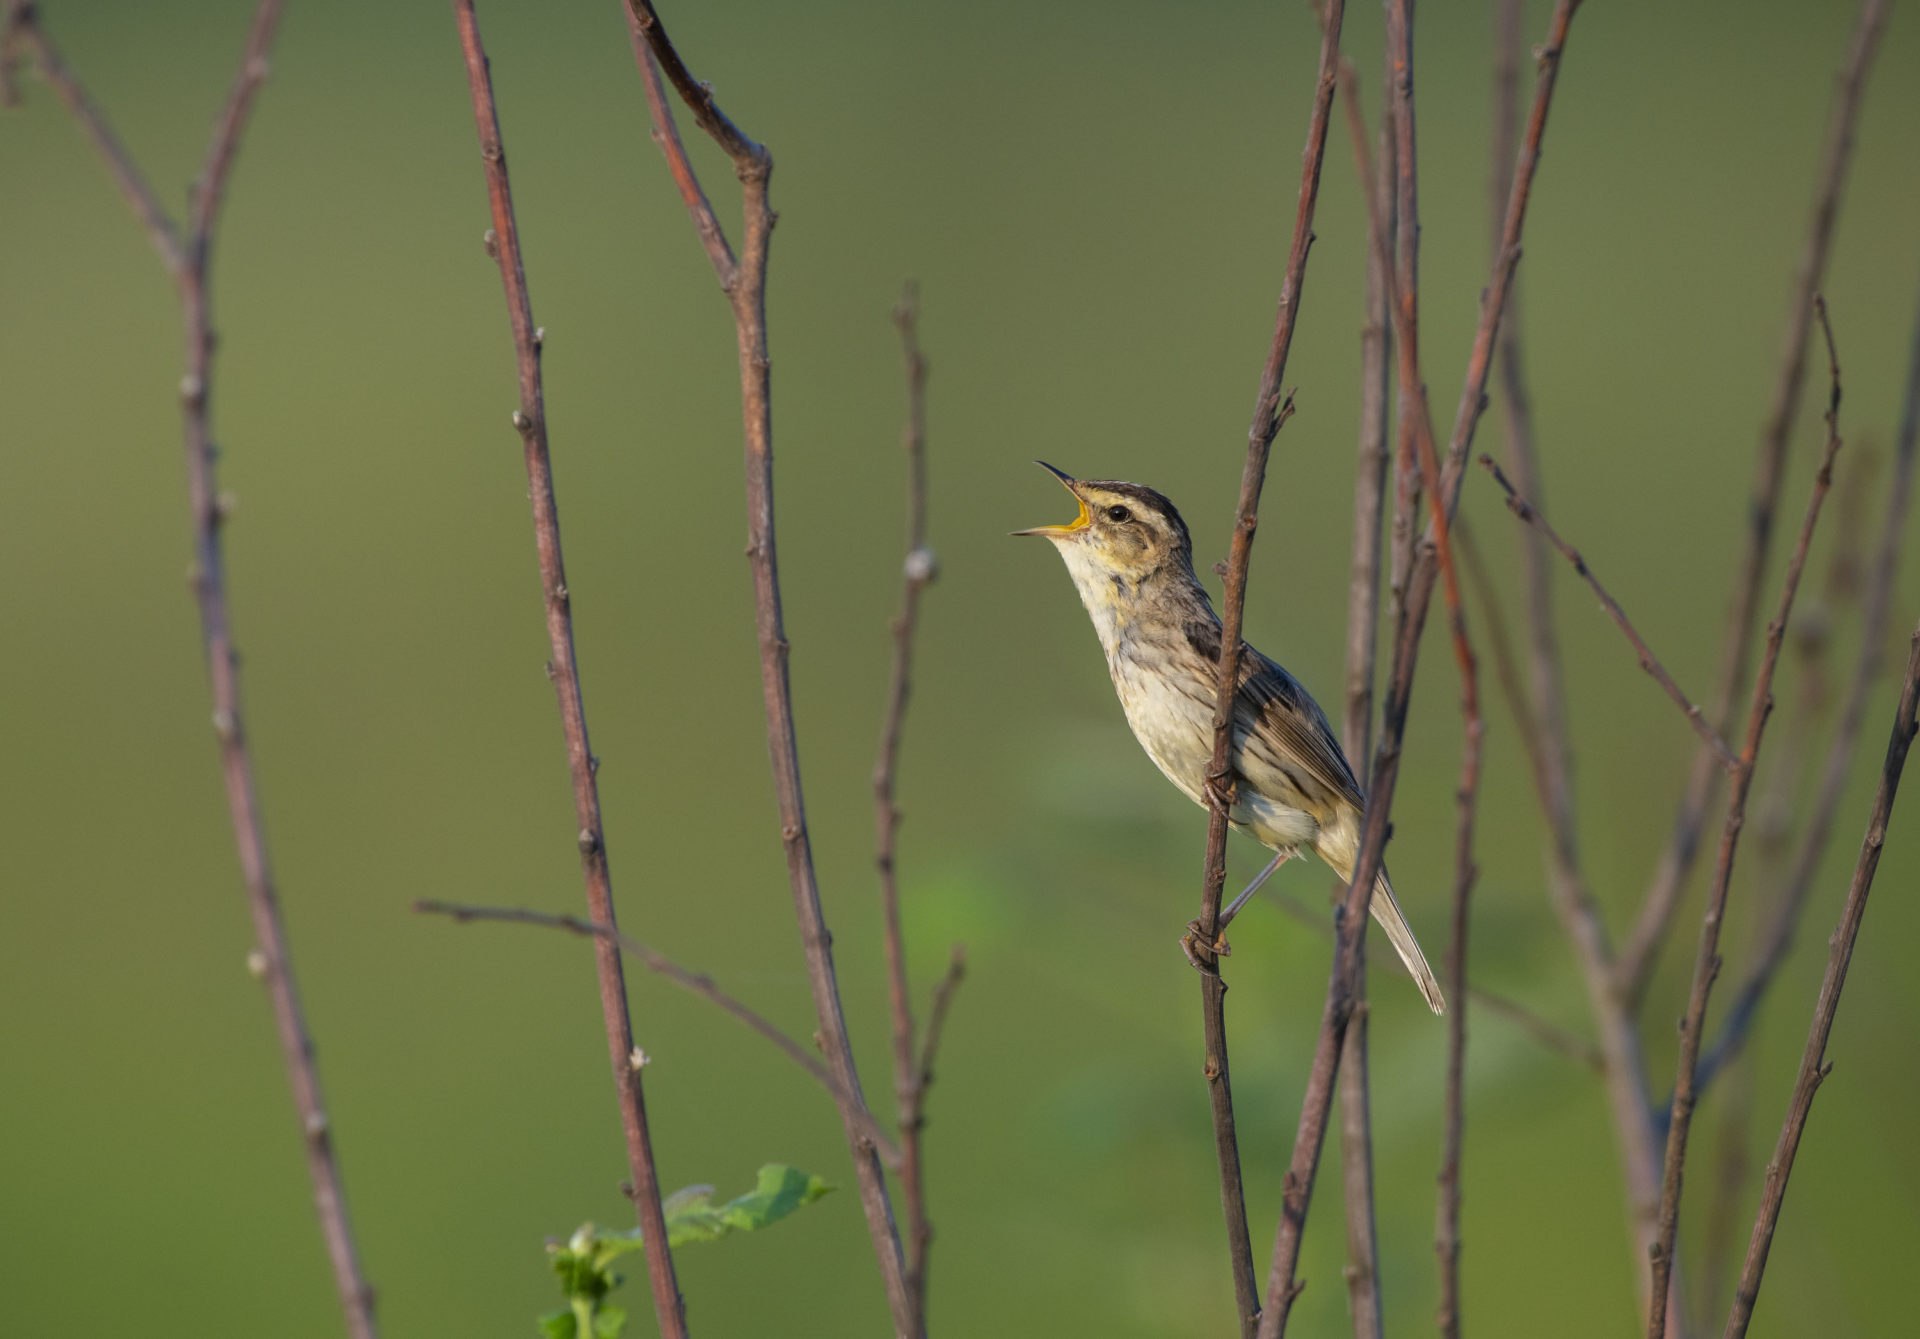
[1387,912]
[1339,854]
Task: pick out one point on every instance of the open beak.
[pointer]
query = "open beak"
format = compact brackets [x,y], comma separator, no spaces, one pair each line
[1071,528]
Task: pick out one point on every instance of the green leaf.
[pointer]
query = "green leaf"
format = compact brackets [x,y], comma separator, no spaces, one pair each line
[559,1325]
[609,1322]
[780,1191]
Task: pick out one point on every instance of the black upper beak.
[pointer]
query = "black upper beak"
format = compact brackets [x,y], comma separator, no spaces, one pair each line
[1057,473]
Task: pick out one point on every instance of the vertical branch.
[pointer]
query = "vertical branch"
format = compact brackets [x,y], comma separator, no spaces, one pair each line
[1297,1192]
[1271,409]
[919,568]
[531,421]
[1777,938]
[1640,952]
[1707,962]
[1814,1066]
[744,281]
[188,260]
[1363,621]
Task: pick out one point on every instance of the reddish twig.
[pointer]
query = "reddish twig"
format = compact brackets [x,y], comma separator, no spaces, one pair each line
[1384,775]
[1814,1066]
[745,283]
[1417,427]
[531,422]
[1363,620]
[1271,409]
[689,980]
[919,570]
[188,259]
[1707,962]
[1640,951]
[1777,939]
[1649,662]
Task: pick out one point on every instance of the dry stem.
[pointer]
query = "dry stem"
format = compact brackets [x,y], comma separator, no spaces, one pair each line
[1640,952]
[1707,962]
[1814,1066]
[744,281]
[531,422]
[188,260]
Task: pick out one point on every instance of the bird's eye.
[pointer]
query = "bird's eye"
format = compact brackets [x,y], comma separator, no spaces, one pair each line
[1118,514]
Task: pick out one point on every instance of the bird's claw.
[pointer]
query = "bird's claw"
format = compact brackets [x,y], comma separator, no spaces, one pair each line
[1191,944]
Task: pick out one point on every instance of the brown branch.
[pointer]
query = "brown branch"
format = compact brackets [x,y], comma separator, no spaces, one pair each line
[746,288]
[1707,963]
[1271,409]
[1649,662]
[1304,1160]
[1417,428]
[1363,620]
[531,422]
[24,33]
[1640,952]
[1777,940]
[1545,732]
[689,980]
[1814,1066]
[937,1013]
[919,567]
[189,262]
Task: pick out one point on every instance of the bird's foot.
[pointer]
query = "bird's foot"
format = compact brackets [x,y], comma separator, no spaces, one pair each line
[1194,943]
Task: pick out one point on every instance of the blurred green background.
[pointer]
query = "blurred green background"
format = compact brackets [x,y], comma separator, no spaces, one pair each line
[1096,200]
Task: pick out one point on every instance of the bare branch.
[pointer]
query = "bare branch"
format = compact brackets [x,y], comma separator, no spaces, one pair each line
[24,33]
[1304,1162]
[1777,939]
[1271,409]
[1707,963]
[918,572]
[1363,620]
[746,289]
[531,421]
[1649,662]
[689,980]
[1643,944]
[188,262]
[1814,1066]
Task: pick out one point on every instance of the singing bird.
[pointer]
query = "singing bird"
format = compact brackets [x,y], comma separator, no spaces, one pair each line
[1131,559]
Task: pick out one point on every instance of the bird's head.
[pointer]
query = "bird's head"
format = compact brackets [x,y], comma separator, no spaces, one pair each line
[1125,535]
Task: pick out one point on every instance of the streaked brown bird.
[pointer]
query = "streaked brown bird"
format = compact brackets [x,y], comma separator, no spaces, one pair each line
[1131,558]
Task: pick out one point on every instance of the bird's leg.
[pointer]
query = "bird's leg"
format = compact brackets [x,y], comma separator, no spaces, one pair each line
[1220,948]
[1246,894]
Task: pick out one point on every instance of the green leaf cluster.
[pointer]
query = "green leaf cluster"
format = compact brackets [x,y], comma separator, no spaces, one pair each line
[584,1262]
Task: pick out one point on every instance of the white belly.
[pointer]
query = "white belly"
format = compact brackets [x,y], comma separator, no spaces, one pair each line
[1176,730]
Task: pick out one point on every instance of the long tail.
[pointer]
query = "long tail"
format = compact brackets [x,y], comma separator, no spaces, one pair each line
[1399,934]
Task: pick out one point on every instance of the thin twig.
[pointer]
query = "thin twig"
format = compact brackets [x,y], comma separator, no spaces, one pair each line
[1544,729]
[1814,1066]
[1649,662]
[917,574]
[1641,949]
[1317,1100]
[689,980]
[1777,940]
[937,1014]
[1271,409]
[189,262]
[1363,620]
[564,671]
[745,285]
[1707,963]
[24,33]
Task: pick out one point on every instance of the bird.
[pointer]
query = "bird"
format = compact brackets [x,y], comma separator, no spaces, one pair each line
[1131,558]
